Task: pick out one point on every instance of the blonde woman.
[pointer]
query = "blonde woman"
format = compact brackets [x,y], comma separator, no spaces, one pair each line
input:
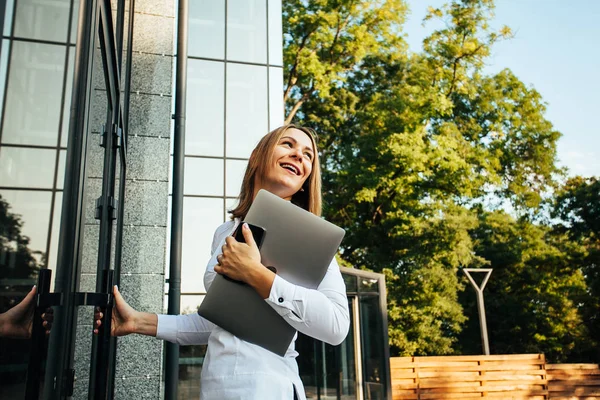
[285,162]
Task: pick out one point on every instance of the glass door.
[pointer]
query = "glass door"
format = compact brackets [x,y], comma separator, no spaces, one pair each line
[62,170]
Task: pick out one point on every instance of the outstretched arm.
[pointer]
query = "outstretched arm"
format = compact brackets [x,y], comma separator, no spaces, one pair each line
[181,329]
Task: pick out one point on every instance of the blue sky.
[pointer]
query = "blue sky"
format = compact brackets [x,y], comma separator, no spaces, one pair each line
[556,50]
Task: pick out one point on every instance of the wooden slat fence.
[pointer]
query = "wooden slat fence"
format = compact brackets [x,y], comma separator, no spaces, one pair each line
[515,376]
[573,381]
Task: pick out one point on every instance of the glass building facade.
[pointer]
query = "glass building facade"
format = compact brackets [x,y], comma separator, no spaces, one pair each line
[234,96]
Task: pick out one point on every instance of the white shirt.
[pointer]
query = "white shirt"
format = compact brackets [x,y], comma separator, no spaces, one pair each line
[235,369]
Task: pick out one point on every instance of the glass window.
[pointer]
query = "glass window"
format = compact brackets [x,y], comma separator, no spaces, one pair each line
[207,29]
[276,111]
[23,167]
[348,381]
[74,22]
[350,281]
[189,303]
[200,219]
[247,31]
[33,209]
[235,174]
[368,284]
[54,235]
[205,108]
[203,176]
[275,33]
[372,348]
[247,119]
[3,67]
[191,359]
[34,93]
[64,135]
[8,14]
[60,177]
[230,204]
[42,19]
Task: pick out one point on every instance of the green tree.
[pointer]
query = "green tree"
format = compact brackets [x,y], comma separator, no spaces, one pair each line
[577,209]
[411,144]
[534,296]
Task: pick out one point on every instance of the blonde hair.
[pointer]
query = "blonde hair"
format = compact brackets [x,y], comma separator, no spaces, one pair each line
[308,199]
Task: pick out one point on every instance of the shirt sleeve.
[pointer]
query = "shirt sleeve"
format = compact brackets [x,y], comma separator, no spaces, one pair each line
[218,241]
[321,313]
[187,329]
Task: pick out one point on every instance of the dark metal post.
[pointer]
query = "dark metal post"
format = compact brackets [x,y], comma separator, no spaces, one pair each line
[480,304]
[61,347]
[32,388]
[172,350]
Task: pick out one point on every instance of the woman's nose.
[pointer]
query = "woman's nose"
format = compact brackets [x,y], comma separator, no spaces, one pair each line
[297,152]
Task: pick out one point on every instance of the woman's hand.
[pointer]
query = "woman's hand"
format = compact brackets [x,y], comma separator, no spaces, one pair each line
[241,261]
[16,323]
[126,320]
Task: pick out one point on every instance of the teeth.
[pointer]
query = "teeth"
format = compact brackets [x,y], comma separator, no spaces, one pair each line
[290,168]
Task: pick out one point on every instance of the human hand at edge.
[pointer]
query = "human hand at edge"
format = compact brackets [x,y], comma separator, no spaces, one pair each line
[17,322]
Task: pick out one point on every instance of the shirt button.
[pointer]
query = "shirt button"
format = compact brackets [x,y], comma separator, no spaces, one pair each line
[280,299]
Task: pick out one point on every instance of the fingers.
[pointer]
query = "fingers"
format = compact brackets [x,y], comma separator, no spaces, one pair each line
[98,315]
[28,300]
[48,319]
[248,235]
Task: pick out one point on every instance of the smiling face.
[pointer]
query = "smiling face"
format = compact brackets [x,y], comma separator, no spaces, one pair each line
[290,165]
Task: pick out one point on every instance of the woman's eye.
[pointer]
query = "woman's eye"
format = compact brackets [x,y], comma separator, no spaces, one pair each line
[308,156]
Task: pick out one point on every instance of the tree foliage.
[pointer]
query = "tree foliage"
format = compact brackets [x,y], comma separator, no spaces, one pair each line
[414,146]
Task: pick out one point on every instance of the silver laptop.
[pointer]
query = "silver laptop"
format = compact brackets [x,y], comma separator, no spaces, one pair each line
[299,245]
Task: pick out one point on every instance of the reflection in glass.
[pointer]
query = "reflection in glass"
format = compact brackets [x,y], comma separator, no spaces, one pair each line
[54,235]
[200,219]
[247,31]
[3,68]
[8,14]
[203,176]
[34,92]
[247,121]
[23,233]
[25,167]
[33,209]
[191,359]
[42,19]
[60,177]
[235,173]
[275,33]
[350,281]
[368,284]
[207,28]
[372,348]
[276,112]
[347,356]
[74,22]
[205,108]
[307,365]
[64,133]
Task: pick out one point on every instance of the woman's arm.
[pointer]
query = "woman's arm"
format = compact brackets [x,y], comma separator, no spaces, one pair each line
[181,329]
[322,313]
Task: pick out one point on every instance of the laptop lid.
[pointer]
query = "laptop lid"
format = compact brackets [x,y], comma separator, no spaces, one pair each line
[299,245]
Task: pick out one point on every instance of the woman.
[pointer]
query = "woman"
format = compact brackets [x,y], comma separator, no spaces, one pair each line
[285,163]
